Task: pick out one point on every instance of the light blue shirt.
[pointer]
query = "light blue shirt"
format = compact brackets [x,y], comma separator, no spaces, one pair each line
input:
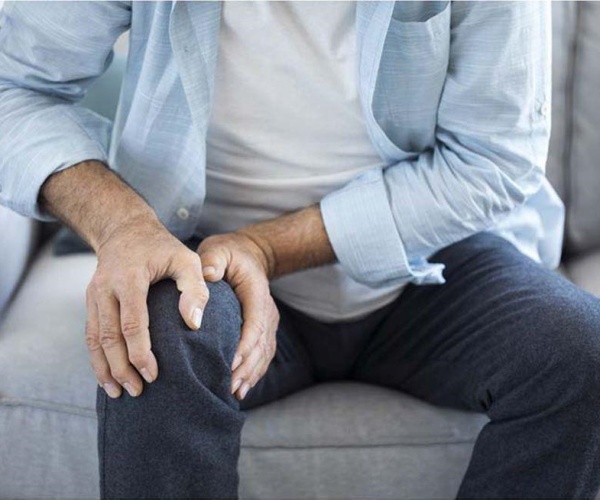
[455,97]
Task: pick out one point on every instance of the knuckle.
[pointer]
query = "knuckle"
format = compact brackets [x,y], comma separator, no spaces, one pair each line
[100,283]
[203,293]
[131,328]
[109,336]
[190,258]
[259,328]
[245,350]
[131,281]
[91,340]
[264,347]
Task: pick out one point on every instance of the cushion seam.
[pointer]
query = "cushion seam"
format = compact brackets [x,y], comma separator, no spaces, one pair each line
[47,406]
[357,446]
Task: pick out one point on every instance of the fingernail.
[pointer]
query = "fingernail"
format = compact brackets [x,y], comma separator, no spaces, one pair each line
[236,362]
[208,270]
[197,318]
[244,390]
[146,374]
[130,389]
[236,385]
[112,390]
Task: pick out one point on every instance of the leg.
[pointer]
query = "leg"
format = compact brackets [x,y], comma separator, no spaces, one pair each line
[506,337]
[181,437]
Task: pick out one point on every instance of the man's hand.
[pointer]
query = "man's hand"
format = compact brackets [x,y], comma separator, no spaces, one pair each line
[248,259]
[244,265]
[136,255]
[134,250]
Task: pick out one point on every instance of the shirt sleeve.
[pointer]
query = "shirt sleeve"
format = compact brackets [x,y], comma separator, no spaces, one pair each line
[489,157]
[50,53]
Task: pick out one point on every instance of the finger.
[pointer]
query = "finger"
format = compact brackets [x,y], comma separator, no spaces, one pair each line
[254,299]
[214,263]
[113,345]
[246,371]
[186,270]
[256,375]
[97,358]
[135,328]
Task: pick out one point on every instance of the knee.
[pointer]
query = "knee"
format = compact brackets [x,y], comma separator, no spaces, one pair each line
[567,354]
[173,343]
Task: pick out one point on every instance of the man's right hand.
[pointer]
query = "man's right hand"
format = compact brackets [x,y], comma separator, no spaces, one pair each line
[134,256]
[134,250]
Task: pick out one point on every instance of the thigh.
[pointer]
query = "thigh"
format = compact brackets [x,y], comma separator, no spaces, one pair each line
[501,325]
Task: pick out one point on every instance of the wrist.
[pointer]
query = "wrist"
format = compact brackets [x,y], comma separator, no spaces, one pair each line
[260,249]
[142,220]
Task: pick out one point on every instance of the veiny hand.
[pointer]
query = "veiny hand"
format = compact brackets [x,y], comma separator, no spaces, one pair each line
[129,261]
[243,264]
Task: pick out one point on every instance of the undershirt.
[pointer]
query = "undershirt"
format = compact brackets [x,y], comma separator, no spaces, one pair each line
[287,128]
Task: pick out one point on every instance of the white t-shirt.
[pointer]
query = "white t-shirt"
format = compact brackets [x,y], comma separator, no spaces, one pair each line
[286,129]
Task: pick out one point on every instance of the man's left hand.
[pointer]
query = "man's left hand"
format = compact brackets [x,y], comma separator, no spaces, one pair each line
[239,260]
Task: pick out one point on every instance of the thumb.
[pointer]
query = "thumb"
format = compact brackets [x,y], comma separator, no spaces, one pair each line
[187,273]
[214,264]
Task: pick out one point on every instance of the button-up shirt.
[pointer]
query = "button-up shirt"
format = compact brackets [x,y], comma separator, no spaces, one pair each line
[455,97]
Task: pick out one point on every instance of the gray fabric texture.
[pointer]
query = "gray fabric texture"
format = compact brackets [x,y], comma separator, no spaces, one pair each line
[583,177]
[48,425]
[17,244]
[564,16]
[370,442]
[584,270]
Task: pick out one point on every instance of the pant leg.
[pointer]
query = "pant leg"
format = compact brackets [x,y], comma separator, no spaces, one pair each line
[507,337]
[181,437]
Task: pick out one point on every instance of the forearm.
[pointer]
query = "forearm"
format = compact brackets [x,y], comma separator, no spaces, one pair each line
[292,242]
[94,201]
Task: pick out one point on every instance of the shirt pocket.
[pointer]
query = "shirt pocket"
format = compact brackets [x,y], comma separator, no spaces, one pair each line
[412,72]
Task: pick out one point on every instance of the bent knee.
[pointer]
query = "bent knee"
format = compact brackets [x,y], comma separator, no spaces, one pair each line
[221,321]
[566,348]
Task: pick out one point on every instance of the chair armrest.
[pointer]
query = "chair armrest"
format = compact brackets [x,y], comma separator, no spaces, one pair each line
[18,242]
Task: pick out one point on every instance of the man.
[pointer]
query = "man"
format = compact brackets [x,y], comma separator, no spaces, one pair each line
[332,160]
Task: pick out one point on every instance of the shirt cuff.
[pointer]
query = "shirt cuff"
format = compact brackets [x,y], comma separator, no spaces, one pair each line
[365,238]
[26,202]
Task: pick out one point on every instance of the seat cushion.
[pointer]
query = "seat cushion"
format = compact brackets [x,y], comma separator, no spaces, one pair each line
[47,389]
[353,414]
[348,440]
[338,440]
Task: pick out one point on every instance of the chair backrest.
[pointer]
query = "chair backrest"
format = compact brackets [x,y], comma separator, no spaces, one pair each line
[574,160]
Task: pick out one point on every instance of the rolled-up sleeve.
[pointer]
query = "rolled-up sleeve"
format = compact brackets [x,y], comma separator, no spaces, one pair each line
[50,52]
[492,137]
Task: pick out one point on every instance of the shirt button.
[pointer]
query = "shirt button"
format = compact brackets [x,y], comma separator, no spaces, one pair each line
[183,213]
[544,109]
